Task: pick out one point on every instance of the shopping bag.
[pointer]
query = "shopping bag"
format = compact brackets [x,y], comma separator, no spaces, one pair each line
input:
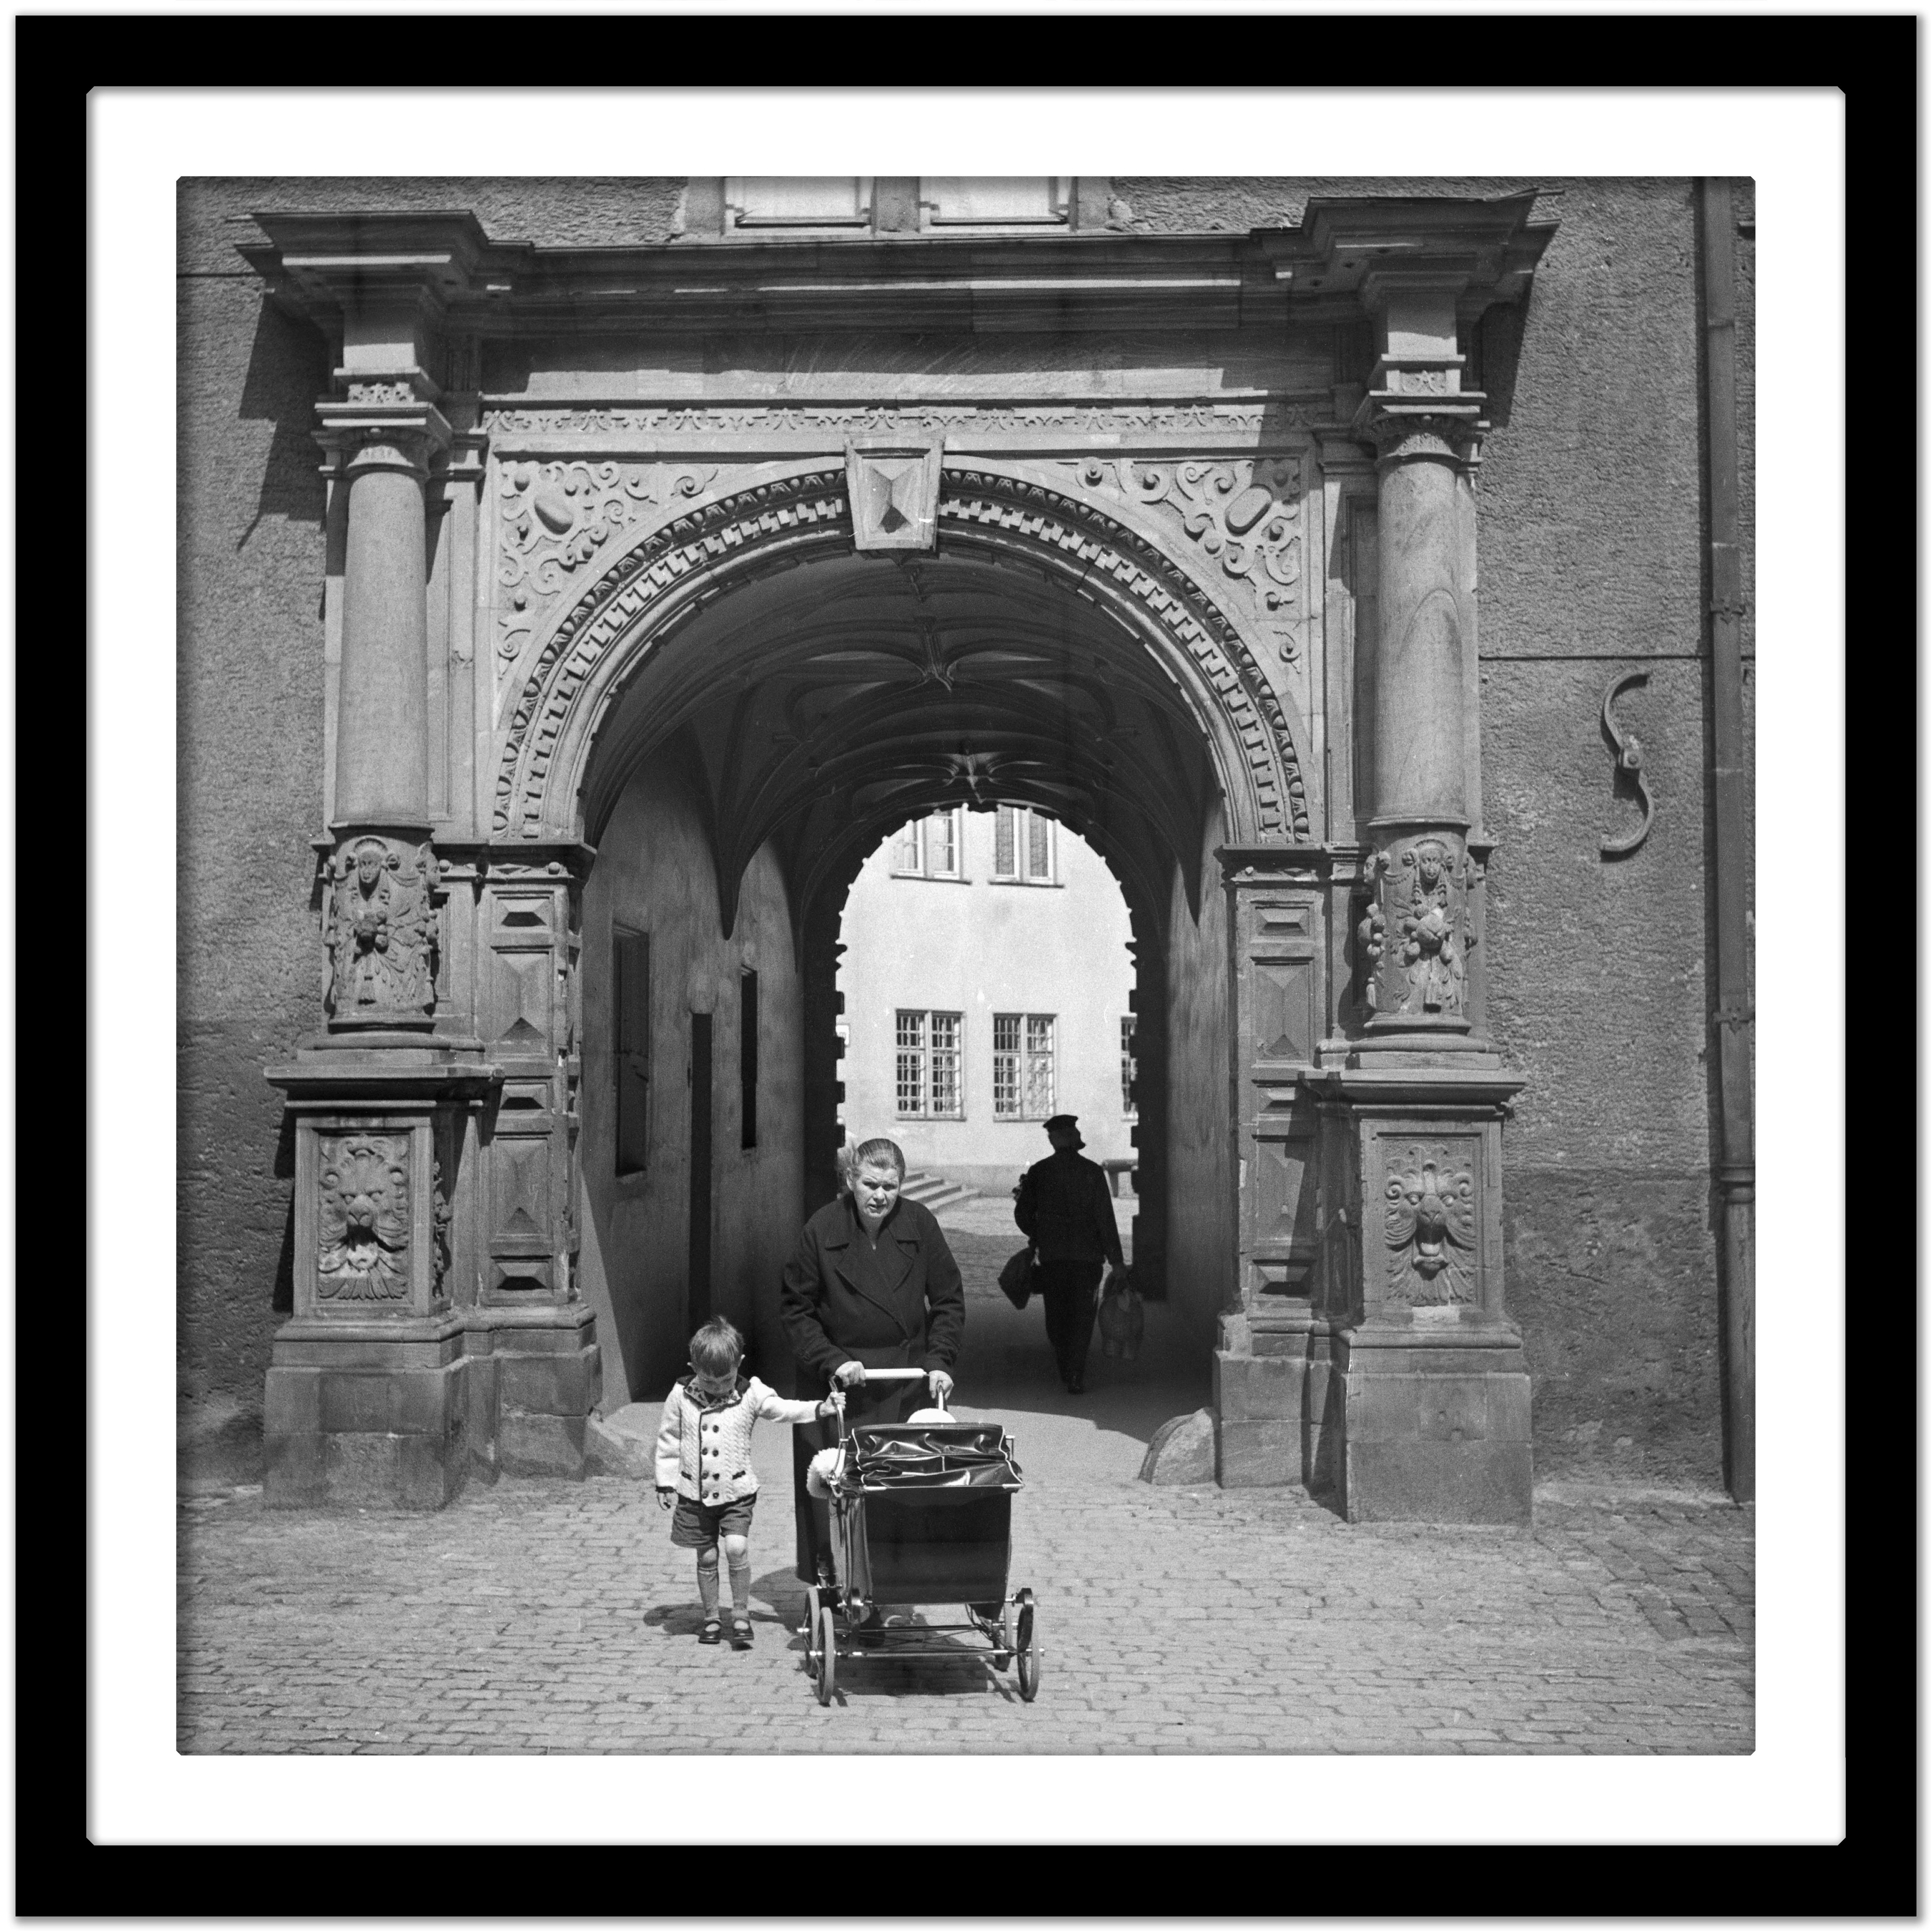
[1016,1278]
[1122,1317]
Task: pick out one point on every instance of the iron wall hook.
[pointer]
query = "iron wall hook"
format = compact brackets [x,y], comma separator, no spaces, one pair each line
[1628,750]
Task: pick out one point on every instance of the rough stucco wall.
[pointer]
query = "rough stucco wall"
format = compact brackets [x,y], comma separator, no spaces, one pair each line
[1201,1207]
[248,800]
[587,212]
[654,875]
[1591,541]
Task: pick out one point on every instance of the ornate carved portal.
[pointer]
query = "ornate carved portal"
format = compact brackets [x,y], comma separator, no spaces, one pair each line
[1184,533]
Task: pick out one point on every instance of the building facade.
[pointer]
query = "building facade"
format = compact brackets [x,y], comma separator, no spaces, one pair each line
[579,579]
[987,984]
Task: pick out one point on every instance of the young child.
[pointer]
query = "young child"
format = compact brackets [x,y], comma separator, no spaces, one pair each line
[704,1466]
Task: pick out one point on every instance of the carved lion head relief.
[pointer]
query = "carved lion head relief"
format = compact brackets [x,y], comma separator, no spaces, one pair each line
[364,1236]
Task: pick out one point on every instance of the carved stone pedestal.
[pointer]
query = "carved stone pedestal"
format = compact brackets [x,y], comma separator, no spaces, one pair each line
[389,1382]
[1274,1391]
[1424,1413]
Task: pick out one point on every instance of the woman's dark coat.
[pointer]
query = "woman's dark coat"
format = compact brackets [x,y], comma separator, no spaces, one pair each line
[899,1306]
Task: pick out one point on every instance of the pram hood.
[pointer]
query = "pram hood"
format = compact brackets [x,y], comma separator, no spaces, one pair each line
[964,1456]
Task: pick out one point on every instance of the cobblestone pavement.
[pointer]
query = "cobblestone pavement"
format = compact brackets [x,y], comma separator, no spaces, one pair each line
[547,1615]
[550,1616]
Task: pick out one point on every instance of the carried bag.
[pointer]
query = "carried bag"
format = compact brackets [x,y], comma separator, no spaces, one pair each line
[1016,1278]
[1122,1317]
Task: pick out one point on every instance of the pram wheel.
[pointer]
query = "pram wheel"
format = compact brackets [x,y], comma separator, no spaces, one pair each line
[1026,1641]
[1005,1644]
[809,1628]
[827,1637]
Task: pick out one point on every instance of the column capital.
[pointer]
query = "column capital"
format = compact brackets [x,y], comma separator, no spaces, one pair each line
[1415,421]
[381,429]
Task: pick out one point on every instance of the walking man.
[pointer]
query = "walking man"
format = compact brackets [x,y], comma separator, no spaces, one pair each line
[1065,1209]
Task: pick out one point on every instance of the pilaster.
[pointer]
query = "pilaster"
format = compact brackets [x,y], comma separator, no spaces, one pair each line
[1426,1413]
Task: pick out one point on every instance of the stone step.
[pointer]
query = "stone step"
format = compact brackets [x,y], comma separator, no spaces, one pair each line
[935,1190]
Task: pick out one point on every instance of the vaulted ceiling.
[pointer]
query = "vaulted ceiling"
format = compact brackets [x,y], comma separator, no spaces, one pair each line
[827,705]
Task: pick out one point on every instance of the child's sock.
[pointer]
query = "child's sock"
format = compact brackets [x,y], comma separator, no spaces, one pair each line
[707,1585]
[741,1589]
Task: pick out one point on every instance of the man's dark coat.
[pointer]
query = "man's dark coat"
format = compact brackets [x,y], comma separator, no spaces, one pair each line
[1065,1208]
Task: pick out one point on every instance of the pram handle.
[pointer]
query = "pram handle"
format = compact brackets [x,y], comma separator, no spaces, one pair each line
[876,1375]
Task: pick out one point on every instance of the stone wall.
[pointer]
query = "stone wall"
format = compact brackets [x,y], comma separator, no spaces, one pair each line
[1201,1224]
[655,874]
[249,969]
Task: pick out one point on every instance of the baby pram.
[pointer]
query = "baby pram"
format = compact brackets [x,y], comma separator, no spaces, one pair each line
[921,1514]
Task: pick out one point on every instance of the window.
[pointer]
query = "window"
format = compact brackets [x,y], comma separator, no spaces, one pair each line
[798,201]
[925,1074]
[1039,1066]
[1023,1066]
[631,1042]
[946,1096]
[1006,1066]
[928,848]
[1022,846]
[997,200]
[1127,1103]
[747,1060]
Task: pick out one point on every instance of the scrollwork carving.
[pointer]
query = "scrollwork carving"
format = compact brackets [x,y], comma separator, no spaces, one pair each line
[379,927]
[556,516]
[690,548]
[363,1248]
[1245,515]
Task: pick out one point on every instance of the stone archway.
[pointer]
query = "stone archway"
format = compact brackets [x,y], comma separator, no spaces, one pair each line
[1291,618]
[566,681]
[780,722]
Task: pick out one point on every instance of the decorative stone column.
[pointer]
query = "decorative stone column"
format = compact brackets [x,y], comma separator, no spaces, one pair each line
[379,921]
[1429,1416]
[370,1397]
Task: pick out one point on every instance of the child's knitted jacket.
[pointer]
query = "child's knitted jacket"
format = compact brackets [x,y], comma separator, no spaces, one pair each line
[704,1447]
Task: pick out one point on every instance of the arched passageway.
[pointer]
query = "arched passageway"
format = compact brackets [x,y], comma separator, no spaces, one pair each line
[743,769]
[1172,539]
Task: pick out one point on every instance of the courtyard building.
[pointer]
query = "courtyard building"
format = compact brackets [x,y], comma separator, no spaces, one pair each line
[987,984]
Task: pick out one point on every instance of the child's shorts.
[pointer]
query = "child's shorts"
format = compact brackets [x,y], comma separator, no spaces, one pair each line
[696,1526]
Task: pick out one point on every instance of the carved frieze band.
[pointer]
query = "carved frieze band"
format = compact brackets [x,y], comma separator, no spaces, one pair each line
[714,537]
[822,426]
[379,927]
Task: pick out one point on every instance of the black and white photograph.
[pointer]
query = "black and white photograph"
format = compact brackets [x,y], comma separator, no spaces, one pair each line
[966,964]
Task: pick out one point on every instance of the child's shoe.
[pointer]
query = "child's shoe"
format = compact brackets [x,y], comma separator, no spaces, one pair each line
[741,1633]
[712,1631]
